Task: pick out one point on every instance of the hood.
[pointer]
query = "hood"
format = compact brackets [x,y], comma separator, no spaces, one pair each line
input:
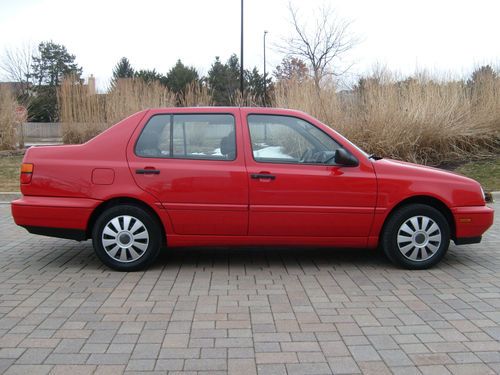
[418,170]
[397,177]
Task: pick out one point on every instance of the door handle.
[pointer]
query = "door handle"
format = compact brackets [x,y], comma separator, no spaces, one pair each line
[260,176]
[147,171]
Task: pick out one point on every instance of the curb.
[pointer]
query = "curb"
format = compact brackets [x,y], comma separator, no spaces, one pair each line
[7,197]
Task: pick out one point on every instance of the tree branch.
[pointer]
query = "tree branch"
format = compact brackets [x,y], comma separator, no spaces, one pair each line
[321,47]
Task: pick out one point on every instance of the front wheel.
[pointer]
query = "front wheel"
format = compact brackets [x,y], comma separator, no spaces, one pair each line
[416,236]
[126,238]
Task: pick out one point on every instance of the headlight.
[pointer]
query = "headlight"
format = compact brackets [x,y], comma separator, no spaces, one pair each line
[488,197]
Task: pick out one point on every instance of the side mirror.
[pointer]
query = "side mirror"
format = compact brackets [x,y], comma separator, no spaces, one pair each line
[343,158]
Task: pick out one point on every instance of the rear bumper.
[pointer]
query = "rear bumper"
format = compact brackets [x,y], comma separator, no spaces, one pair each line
[54,216]
[471,223]
[71,234]
[467,240]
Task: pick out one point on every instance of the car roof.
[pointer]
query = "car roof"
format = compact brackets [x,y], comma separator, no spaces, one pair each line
[217,109]
[226,109]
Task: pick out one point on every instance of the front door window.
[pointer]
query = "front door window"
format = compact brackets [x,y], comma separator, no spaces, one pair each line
[284,139]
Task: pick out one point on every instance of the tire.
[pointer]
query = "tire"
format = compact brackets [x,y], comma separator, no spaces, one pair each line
[416,237]
[127,238]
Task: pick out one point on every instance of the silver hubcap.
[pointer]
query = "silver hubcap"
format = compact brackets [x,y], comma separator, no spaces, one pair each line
[125,238]
[419,238]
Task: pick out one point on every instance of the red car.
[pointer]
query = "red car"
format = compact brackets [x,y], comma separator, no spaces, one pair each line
[241,176]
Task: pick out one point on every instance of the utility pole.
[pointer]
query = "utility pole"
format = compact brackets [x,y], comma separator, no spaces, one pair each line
[265,33]
[241,53]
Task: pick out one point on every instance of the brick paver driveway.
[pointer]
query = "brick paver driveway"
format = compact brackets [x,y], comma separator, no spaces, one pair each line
[246,311]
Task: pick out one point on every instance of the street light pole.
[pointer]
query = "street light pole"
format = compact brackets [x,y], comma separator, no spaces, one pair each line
[265,33]
[241,53]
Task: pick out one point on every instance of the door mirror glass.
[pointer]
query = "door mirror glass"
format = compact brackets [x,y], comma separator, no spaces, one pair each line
[344,158]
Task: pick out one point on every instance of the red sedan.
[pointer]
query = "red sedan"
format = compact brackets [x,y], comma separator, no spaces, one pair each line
[241,176]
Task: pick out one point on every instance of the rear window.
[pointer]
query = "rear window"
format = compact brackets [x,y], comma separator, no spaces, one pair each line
[188,136]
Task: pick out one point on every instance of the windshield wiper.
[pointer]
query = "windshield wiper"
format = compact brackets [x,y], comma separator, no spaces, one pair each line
[374,157]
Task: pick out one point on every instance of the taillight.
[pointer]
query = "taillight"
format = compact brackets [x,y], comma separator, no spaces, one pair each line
[26,173]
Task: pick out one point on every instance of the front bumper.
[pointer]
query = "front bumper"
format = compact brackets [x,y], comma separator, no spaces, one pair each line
[471,223]
[53,216]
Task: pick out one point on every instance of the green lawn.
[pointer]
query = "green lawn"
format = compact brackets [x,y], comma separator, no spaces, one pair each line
[9,172]
[487,172]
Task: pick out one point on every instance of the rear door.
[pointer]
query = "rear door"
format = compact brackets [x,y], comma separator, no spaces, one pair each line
[191,162]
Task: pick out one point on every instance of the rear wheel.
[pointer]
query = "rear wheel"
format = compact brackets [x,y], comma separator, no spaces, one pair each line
[126,238]
[416,236]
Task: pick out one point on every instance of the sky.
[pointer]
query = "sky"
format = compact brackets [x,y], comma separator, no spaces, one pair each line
[439,36]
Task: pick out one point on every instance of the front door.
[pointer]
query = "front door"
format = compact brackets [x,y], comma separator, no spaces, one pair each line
[295,191]
[191,163]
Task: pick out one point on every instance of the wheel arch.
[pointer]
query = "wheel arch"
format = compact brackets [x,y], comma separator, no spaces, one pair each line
[429,201]
[116,201]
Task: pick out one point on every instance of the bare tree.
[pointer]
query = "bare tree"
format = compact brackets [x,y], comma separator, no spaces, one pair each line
[322,46]
[16,65]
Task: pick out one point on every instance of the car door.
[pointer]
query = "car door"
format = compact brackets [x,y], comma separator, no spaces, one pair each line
[191,162]
[295,191]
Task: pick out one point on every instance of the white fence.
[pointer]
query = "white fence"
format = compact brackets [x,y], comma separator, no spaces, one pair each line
[39,133]
[42,130]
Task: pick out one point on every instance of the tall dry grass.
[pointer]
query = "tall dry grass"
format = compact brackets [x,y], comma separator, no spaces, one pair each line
[132,95]
[84,115]
[8,105]
[195,95]
[418,119]
[245,100]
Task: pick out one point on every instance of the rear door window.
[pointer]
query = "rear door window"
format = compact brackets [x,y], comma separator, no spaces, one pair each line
[189,136]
